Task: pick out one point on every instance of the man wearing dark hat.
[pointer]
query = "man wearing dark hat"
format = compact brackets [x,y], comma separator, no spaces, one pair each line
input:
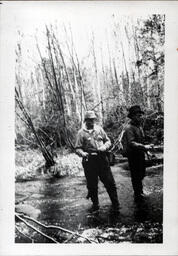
[133,138]
[92,144]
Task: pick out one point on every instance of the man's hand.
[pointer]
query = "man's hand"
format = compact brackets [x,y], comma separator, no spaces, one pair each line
[81,153]
[102,148]
[148,147]
[84,154]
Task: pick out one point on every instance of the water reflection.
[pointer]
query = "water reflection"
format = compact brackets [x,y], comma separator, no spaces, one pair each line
[51,205]
[136,212]
[104,217]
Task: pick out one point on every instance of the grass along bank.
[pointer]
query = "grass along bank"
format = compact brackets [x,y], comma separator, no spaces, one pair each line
[30,165]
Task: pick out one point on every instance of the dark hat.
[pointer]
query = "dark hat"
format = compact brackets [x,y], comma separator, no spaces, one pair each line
[90,115]
[134,110]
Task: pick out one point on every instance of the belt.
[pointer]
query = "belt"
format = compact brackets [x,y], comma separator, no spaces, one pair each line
[93,154]
[96,154]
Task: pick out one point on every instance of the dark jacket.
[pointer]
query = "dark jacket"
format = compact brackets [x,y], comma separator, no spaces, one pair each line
[133,139]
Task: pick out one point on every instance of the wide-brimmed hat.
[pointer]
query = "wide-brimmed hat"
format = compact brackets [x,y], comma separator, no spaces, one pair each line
[90,115]
[134,110]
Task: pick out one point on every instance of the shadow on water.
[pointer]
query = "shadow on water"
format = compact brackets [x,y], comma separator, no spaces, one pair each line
[53,203]
[141,212]
[101,219]
[147,210]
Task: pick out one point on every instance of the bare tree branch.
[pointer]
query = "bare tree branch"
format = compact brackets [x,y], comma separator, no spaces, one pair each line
[38,231]
[24,198]
[47,155]
[102,101]
[57,227]
[69,239]
[24,234]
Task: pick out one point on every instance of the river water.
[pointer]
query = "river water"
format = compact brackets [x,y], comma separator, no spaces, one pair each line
[62,201]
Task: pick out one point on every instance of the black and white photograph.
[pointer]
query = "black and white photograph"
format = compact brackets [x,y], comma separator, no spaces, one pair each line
[89,130]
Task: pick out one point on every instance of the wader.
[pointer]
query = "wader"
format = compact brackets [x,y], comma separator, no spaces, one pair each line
[97,166]
[137,169]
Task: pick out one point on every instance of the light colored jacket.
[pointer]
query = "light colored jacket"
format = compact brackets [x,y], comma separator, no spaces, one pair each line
[91,140]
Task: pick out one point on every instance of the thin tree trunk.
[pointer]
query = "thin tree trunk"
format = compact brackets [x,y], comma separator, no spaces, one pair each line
[97,81]
[76,70]
[118,30]
[67,75]
[138,63]
[46,154]
[57,93]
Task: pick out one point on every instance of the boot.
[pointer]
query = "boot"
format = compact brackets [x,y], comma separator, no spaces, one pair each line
[114,200]
[95,201]
[94,208]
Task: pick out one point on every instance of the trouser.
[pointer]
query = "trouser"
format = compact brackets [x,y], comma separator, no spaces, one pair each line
[98,167]
[137,170]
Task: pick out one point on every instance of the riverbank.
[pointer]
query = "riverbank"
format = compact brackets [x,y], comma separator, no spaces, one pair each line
[30,165]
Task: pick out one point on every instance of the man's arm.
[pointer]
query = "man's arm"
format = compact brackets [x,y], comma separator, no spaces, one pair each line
[79,146]
[81,153]
[106,141]
[133,144]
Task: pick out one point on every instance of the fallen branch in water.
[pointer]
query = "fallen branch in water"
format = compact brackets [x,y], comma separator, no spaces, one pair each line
[69,239]
[38,231]
[55,227]
[20,232]
[24,198]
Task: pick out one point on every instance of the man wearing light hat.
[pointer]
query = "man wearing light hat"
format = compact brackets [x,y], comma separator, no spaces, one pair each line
[92,144]
[133,139]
